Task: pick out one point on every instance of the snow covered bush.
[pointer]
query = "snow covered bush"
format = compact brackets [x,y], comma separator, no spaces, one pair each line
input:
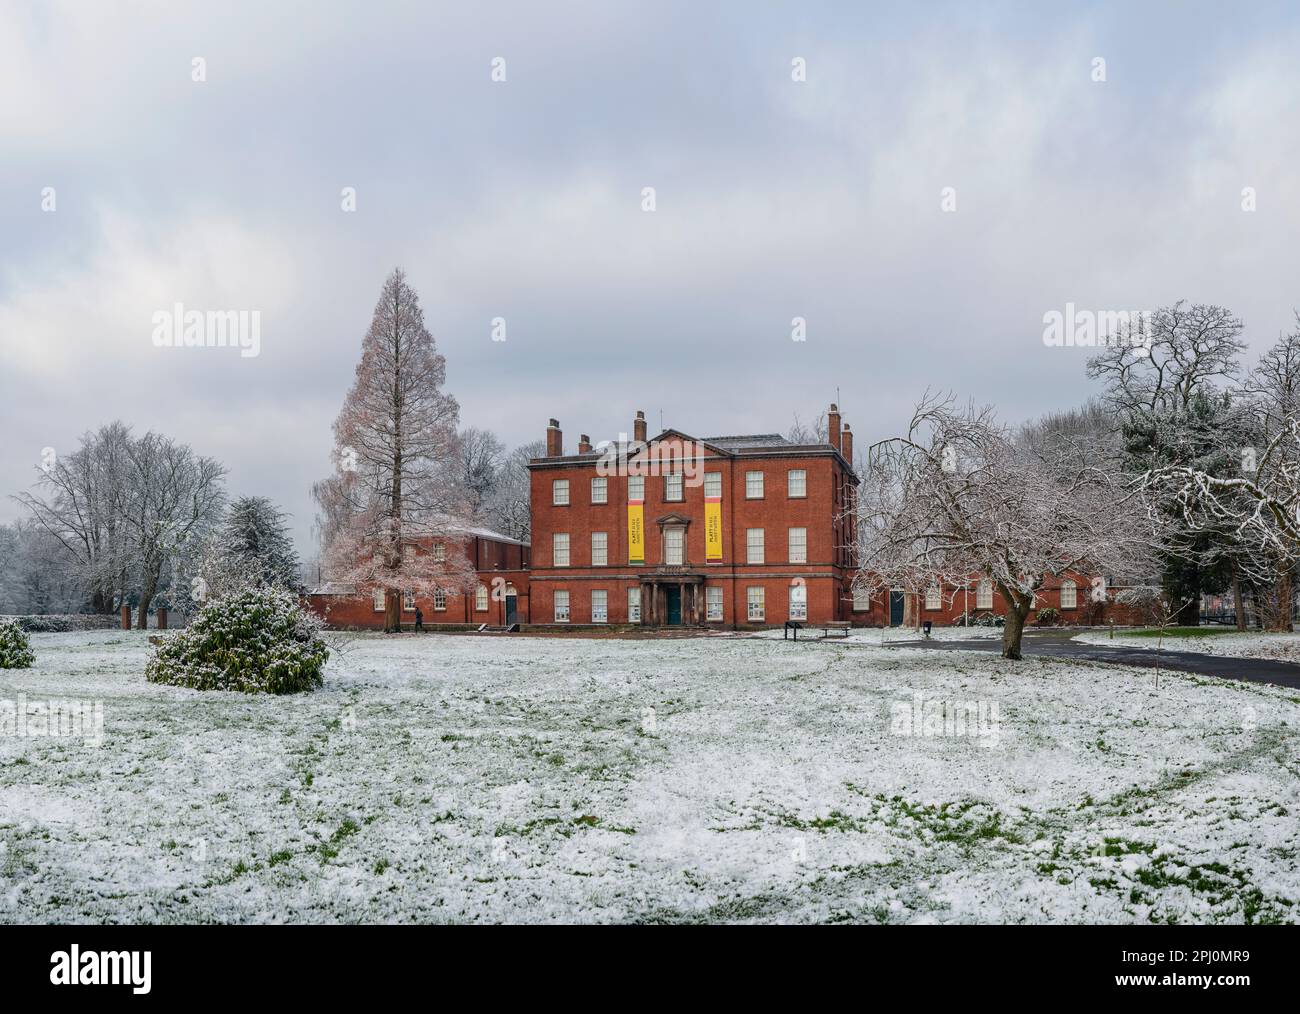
[62,623]
[15,650]
[259,640]
[1048,617]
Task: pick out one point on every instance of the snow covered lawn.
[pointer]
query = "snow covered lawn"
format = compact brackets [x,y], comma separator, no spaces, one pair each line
[469,778]
[1253,644]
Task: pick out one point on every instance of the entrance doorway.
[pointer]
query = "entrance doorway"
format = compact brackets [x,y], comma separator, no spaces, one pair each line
[673,597]
[895,608]
[512,605]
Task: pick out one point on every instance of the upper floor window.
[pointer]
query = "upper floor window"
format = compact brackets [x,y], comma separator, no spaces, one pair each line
[797,483]
[599,549]
[439,552]
[674,546]
[635,487]
[560,492]
[753,485]
[673,486]
[753,545]
[600,489]
[798,545]
[713,484]
[559,549]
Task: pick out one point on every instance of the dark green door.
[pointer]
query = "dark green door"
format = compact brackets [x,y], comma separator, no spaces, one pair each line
[674,593]
[895,608]
[512,604]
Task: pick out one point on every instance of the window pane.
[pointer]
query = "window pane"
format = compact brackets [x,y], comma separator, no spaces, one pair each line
[636,487]
[560,492]
[634,605]
[561,607]
[560,549]
[713,598]
[408,602]
[754,597]
[861,600]
[673,486]
[439,599]
[753,485]
[798,602]
[798,545]
[673,546]
[1068,597]
[377,599]
[599,489]
[599,549]
[713,484]
[599,606]
[984,595]
[798,483]
[753,545]
[481,598]
[933,599]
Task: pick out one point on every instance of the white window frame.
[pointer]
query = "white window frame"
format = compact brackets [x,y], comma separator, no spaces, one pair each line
[377,599]
[599,605]
[635,487]
[797,488]
[481,599]
[713,602]
[439,552]
[713,484]
[797,544]
[984,594]
[559,492]
[559,549]
[754,545]
[934,597]
[408,601]
[599,489]
[798,601]
[755,606]
[861,600]
[754,485]
[674,487]
[562,606]
[440,600]
[600,549]
[1069,586]
[675,545]
[634,604]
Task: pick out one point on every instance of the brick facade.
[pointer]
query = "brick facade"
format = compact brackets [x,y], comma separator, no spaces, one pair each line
[677,471]
[502,566]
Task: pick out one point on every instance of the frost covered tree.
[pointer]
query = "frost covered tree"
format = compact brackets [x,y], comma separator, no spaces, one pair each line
[482,459]
[252,547]
[957,497]
[396,482]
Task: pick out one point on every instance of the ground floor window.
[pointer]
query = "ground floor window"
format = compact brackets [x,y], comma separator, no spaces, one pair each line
[634,605]
[1069,595]
[439,599]
[798,602]
[861,600]
[481,598]
[599,606]
[713,599]
[561,607]
[378,600]
[933,598]
[984,595]
[754,596]
[408,602]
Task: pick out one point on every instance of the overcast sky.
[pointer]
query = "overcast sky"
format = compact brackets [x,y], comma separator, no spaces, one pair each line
[522,199]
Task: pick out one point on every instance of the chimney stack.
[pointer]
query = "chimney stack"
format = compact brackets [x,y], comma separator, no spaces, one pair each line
[833,426]
[584,444]
[638,427]
[846,445]
[554,440]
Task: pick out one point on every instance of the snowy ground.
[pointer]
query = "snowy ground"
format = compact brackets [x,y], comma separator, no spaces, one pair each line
[465,778]
[1282,647]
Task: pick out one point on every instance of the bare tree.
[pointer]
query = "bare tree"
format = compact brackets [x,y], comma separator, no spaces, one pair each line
[509,508]
[957,497]
[816,433]
[482,457]
[396,455]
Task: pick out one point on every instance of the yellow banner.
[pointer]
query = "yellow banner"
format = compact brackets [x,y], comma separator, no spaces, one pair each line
[713,528]
[635,532]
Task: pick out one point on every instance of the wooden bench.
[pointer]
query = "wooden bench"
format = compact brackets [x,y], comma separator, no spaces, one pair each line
[834,628]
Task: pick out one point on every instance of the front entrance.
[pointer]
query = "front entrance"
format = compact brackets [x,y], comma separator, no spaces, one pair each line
[512,606]
[895,608]
[673,595]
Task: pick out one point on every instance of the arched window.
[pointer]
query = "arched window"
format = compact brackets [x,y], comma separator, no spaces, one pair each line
[1069,594]
[481,598]
[984,594]
[798,601]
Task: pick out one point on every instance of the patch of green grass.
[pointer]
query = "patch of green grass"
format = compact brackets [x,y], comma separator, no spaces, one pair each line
[1179,632]
[283,856]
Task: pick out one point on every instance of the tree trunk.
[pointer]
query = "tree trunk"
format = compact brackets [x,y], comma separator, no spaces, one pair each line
[145,598]
[392,615]
[1237,603]
[1283,604]
[1014,630]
